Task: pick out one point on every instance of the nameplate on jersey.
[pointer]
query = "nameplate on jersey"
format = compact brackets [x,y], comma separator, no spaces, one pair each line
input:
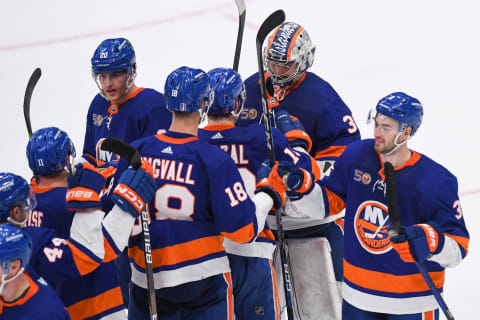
[171,170]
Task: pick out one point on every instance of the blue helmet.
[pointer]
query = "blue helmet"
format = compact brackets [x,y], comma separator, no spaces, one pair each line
[405,109]
[228,86]
[14,245]
[186,89]
[14,191]
[113,55]
[48,149]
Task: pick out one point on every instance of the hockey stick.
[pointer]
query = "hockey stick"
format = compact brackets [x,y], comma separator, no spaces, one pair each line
[242,12]
[267,26]
[132,155]
[393,213]
[28,96]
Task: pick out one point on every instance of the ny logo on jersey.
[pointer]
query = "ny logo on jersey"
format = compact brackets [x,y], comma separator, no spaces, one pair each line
[371,227]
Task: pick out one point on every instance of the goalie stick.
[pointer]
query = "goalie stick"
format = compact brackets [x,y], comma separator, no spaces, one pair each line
[242,11]
[129,153]
[28,96]
[394,218]
[267,26]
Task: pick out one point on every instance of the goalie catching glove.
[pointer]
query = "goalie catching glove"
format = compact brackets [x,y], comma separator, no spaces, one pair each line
[84,186]
[418,242]
[135,188]
[293,129]
[271,183]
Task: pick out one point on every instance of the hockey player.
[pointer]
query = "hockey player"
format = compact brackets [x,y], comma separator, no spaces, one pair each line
[95,295]
[120,110]
[254,283]
[200,199]
[23,295]
[288,54]
[380,280]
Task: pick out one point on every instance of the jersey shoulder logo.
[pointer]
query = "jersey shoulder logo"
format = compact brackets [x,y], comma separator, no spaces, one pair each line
[371,227]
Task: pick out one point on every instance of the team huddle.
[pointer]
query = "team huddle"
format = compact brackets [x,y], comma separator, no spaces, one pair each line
[71,241]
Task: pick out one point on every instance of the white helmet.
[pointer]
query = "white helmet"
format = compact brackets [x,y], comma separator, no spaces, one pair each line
[288,53]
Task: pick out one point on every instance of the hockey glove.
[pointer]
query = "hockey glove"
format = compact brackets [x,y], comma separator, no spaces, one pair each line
[134,189]
[271,183]
[418,242]
[299,182]
[84,186]
[293,129]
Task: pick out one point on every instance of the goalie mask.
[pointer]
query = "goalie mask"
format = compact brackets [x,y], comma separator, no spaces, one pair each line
[288,52]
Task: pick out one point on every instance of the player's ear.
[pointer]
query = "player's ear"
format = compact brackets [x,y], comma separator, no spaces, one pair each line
[15,267]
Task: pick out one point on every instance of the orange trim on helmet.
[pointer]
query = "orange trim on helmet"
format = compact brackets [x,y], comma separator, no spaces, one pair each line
[271,39]
[292,43]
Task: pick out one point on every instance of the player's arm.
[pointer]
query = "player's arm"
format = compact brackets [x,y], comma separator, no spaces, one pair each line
[443,237]
[237,216]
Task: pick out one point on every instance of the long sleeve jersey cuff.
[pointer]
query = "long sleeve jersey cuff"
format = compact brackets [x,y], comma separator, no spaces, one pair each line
[450,256]
[118,224]
[86,229]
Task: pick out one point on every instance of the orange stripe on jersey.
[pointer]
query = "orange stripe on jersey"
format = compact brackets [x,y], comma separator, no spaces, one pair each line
[93,306]
[167,139]
[275,291]
[242,235]
[292,43]
[180,252]
[428,315]
[266,234]
[462,241]
[385,282]
[84,263]
[333,151]
[335,203]
[33,288]
[341,223]
[110,253]
[410,162]
[218,127]
[228,280]
[36,188]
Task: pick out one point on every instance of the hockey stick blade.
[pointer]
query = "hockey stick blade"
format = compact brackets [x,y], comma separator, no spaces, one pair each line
[395,219]
[242,12]
[32,82]
[123,149]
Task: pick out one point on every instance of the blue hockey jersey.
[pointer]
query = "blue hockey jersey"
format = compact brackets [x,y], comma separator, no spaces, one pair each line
[39,302]
[94,295]
[247,147]
[200,199]
[326,118]
[141,114]
[375,278]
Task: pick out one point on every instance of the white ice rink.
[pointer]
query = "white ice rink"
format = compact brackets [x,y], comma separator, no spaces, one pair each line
[365,49]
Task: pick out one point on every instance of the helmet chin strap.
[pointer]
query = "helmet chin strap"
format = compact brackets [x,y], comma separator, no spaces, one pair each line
[397,145]
[4,281]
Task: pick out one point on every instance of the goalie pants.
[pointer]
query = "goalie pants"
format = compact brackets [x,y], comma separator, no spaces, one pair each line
[206,299]
[254,288]
[350,312]
[333,231]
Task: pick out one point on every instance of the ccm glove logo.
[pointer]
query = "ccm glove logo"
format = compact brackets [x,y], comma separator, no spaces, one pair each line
[131,196]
